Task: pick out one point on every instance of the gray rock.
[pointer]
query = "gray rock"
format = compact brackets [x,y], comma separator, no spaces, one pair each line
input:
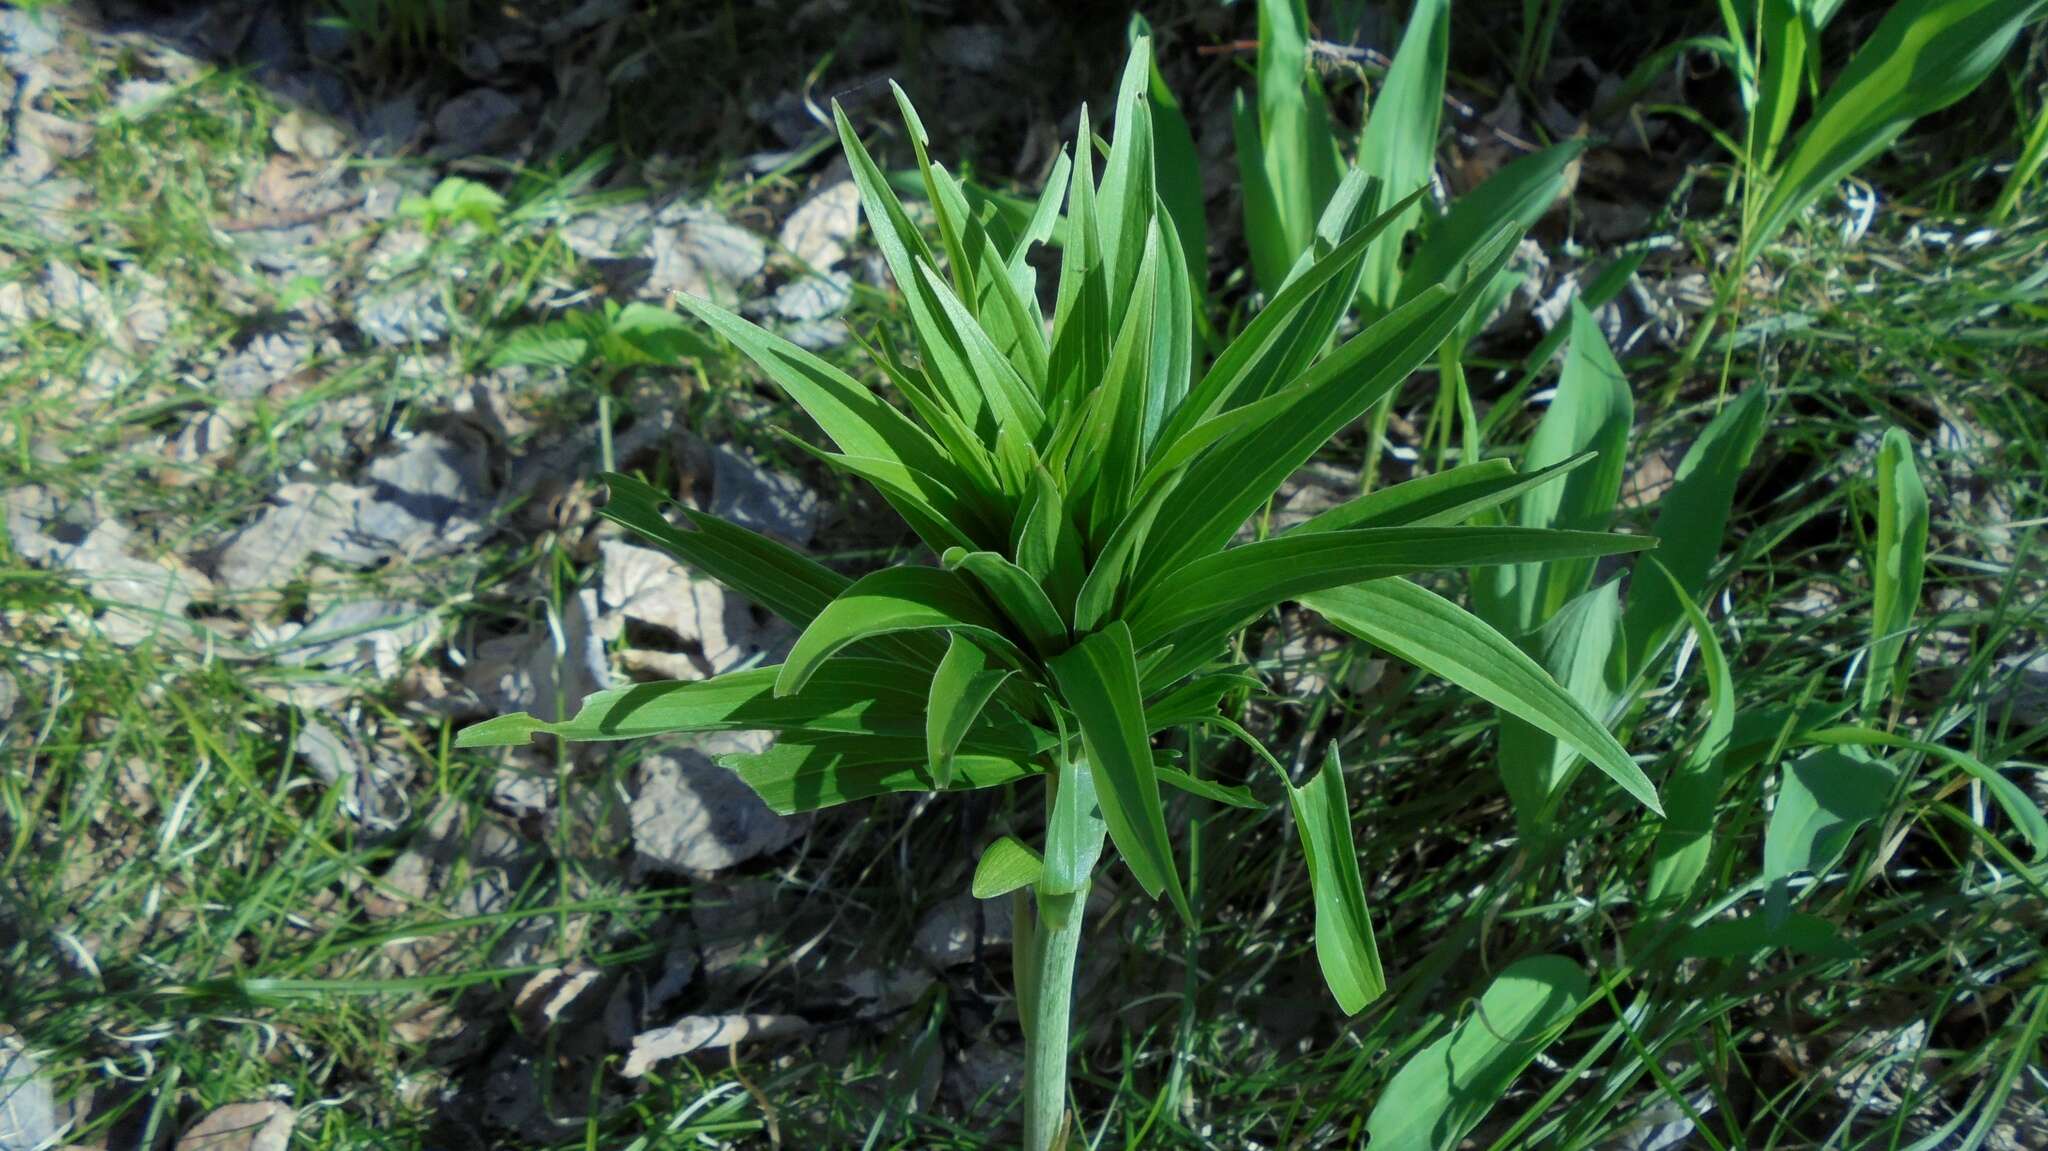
[369,635]
[813,298]
[771,502]
[142,597]
[612,232]
[693,817]
[479,120]
[28,1108]
[421,500]
[962,928]
[371,792]
[647,586]
[528,672]
[264,361]
[704,254]
[819,232]
[306,518]
[26,35]
[399,314]
[263,1126]
[37,525]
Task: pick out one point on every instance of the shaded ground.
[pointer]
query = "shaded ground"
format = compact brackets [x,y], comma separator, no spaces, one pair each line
[298,480]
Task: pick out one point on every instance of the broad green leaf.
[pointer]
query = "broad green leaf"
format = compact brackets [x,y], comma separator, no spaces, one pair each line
[1781,74]
[855,696]
[1005,866]
[1246,580]
[1047,545]
[1923,56]
[1898,566]
[1073,832]
[2025,814]
[1824,796]
[1750,935]
[1194,700]
[1686,840]
[1423,628]
[1591,412]
[1442,1092]
[1399,145]
[1017,596]
[641,333]
[811,773]
[1579,647]
[893,600]
[1440,498]
[1228,483]
[554,344]
[960,689]
[1691,519]
[1345,947]
[1229,796]
[1605,286]
[1516,197]
[1098,678]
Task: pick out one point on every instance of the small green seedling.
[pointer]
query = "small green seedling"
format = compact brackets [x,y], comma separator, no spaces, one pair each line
[455,200]
[1082,487]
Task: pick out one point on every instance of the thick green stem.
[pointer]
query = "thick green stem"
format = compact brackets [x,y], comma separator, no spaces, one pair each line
[1055,944]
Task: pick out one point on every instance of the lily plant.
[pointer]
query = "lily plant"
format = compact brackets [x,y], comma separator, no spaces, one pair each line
[1084,486]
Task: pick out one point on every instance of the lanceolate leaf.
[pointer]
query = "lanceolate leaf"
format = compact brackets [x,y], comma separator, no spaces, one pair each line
[858,421]
[1238,797]
[852,696]
[1923,56]
[1179,167]
[1516,196]
[1248,579]
[1437,635]
[1399,146]
[824,771]
[1440,498]
[1690,522]
[1591,412]
[1098,678]
[893,600]
[1823,798]
[1345,947]
[777,577]
[1073,832]
[1442,1092]
[1018,596]
[1227,484]
[1898,565]
[1686,840]
[1579,648]
[959,690]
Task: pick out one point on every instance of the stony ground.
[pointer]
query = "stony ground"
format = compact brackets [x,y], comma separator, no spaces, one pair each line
[306,347]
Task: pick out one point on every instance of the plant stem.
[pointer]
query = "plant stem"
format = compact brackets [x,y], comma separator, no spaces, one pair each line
[1055,944]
